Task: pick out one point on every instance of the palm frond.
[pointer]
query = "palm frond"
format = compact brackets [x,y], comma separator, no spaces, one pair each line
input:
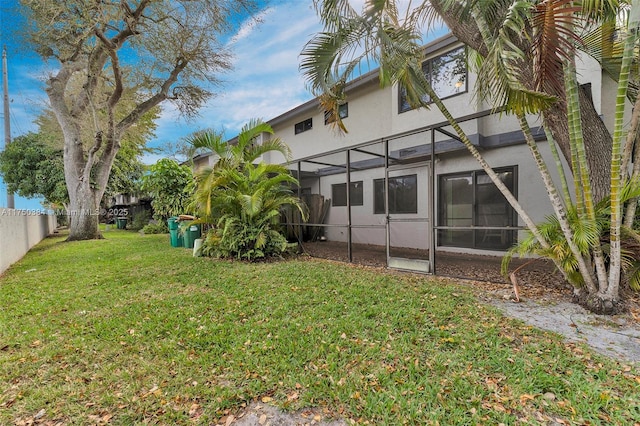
[499,81]
[248,135]
[500,71]
[331,12]
[208,139]
[253,152]
[554,42]
[601,10]
[331,57]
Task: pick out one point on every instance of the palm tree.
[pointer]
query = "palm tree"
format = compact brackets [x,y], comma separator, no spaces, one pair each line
[331,57]
[241,199]
[553,25]
[459,18]
[556,26]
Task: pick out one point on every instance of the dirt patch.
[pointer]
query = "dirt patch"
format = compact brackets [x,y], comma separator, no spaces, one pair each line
[536,274]
[257,414]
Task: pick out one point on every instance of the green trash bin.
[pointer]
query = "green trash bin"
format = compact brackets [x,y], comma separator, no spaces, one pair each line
[121,222]
[176,238]
[192,233]
[172,223]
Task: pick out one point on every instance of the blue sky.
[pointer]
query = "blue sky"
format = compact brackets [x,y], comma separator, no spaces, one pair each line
[264,83]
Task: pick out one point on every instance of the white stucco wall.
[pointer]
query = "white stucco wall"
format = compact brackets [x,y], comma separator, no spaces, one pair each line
[589,71]
[408,234]
[20,230]
[369,117]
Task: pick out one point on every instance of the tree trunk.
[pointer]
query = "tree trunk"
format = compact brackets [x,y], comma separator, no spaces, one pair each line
[598,303]
[597,138]
[84,214]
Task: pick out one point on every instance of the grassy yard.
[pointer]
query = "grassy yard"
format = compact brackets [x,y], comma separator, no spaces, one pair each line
[129,330]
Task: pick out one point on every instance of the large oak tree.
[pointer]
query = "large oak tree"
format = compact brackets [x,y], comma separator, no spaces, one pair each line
[109,52]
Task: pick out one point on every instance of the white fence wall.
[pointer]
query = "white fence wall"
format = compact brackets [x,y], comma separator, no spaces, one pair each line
[19,231]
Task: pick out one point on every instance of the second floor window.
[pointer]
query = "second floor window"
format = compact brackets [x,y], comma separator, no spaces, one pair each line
[343,112]
[446,73]
[303,126]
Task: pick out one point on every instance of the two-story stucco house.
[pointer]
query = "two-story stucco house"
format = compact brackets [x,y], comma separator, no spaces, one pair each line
[438,196]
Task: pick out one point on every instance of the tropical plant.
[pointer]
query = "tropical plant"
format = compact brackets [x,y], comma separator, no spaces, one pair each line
[585,235]
[507,35]
[595,269]
[241,198]
[171,187]
[472,21]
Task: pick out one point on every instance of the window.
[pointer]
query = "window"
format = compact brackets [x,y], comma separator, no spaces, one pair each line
[303,126]
[403,195]
[471,199]
[343,112]
[447,75]
[339,194]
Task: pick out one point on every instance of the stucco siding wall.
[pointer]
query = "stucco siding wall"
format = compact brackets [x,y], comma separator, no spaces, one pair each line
[369,117]
[530,192]
[20,230]
[408,234]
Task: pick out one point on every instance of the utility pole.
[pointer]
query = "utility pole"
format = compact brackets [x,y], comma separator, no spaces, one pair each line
[7,121]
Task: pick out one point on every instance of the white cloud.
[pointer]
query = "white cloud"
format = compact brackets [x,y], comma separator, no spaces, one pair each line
[249,25]
[265,81]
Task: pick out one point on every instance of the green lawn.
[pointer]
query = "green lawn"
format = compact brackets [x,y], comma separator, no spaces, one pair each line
[129,330]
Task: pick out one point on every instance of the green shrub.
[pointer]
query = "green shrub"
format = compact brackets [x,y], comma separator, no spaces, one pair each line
[241,240]
[242,198]
[171,187]
[140,220]
[155,228]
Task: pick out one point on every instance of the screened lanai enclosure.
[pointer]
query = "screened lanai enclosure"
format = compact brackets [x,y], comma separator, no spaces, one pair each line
[388,200]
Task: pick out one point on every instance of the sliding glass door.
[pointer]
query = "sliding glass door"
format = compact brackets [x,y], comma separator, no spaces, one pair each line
[470,199]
